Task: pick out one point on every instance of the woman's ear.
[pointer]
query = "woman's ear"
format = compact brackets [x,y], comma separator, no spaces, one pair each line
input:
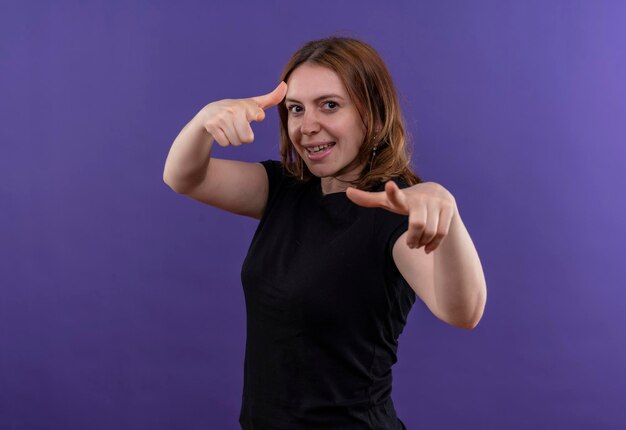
[377,126]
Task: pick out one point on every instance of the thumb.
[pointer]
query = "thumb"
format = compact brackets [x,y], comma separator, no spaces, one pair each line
[271,99]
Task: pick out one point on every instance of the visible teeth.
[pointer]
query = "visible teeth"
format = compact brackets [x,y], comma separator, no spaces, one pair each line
[318,148]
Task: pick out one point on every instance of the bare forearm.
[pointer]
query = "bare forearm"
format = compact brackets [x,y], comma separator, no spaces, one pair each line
[188,158]
[460,286]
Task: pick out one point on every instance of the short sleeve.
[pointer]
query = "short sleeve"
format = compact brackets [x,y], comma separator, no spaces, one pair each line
[274,170]
[390,226]
[402,226]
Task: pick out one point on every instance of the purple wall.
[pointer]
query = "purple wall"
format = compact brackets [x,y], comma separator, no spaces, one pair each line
[120,300]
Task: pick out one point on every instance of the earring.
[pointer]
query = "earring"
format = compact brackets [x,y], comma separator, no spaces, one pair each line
[373,155]
[301,169]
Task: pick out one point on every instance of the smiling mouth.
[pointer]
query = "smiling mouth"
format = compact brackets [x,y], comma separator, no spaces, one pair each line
[320,148]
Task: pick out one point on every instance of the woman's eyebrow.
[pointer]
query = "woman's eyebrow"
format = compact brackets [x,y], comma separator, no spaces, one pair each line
[325,96]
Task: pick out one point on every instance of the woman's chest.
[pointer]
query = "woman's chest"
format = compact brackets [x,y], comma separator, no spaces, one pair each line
[321,267]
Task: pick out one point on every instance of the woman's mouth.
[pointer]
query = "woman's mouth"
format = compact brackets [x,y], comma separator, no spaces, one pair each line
[318,152]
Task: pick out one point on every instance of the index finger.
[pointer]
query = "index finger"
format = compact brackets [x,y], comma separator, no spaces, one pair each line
[273,98]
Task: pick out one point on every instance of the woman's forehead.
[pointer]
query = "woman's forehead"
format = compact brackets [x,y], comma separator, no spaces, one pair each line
[312,82]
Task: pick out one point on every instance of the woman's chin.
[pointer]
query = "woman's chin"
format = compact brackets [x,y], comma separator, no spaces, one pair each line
[320,172]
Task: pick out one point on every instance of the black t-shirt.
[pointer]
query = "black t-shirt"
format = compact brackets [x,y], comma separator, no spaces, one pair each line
[325,306]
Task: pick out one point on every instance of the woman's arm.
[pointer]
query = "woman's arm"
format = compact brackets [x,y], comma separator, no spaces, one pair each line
[235,186]
[450,279]
[435,255]
[188,158]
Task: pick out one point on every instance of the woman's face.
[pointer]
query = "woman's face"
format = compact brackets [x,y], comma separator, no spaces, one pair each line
[320,112]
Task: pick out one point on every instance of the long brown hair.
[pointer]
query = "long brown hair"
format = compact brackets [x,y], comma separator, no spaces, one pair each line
[370,87]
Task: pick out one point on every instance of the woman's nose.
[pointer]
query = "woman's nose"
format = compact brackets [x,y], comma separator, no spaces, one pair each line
[310,123]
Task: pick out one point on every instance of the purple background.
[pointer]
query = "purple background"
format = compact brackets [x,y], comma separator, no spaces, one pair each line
[120,300]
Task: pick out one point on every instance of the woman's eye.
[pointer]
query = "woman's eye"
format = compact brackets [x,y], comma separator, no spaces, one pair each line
[298,109]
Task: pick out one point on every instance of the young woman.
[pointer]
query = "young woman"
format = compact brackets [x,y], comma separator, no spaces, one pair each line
[348,237]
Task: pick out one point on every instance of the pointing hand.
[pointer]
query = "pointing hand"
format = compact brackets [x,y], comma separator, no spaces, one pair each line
[228,120]
[430,208]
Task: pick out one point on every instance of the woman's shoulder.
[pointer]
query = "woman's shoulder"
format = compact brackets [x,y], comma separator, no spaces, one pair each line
[278,176]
